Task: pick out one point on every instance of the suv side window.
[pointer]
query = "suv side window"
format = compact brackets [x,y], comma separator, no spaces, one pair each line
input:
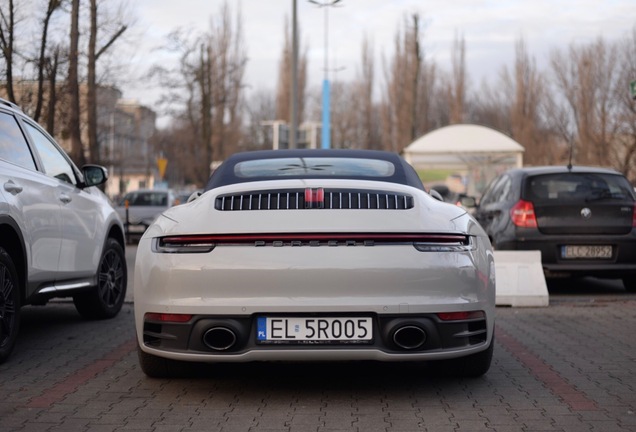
[506,189]
[13,145]
[499,190]
[55,164]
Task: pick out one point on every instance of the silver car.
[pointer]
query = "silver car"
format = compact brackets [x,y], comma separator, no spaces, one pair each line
[59,235]
[138,209]
[314,255]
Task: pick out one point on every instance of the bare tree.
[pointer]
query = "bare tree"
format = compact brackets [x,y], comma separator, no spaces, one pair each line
[209,82]
[527,96]
[584,79]
[402,84]
[51,65]
[228,71]
[53,5]
[91,93]
[7,42]
[367,129]
[283,93]
[260,109]
[456,87]
[623,156]
[77,149]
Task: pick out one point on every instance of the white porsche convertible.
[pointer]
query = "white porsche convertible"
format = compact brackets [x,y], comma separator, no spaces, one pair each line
[321,255]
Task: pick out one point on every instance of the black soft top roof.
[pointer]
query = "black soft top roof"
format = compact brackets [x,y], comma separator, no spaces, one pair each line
[403,174]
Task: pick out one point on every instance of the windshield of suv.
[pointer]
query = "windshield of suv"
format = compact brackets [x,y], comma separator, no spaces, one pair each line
[569,186]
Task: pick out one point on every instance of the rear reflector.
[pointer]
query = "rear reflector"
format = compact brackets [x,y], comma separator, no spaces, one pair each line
[175,318]
[460,316]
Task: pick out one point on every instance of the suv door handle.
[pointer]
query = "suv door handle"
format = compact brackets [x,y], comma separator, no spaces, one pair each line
[12,188]
[65,198]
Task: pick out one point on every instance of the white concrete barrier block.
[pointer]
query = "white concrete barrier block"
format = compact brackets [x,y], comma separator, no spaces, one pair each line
[520,279]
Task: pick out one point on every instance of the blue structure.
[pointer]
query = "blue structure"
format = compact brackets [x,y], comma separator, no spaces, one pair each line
[326,116]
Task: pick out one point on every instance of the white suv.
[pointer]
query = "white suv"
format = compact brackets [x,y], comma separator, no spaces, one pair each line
[59,235]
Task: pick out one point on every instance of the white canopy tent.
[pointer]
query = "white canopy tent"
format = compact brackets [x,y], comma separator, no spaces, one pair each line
[477,151]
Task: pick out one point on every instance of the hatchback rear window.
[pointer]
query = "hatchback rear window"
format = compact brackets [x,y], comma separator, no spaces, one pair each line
[564,187]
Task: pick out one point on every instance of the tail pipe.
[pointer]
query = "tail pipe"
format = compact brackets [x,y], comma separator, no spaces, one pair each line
[219,338]
[409,337]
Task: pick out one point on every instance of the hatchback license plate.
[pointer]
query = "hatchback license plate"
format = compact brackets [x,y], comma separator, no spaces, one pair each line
[585,251]
[314,329]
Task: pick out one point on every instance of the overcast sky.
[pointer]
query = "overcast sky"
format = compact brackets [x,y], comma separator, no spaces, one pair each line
[490,29]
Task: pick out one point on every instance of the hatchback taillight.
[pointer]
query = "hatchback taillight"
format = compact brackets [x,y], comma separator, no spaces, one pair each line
[522,214]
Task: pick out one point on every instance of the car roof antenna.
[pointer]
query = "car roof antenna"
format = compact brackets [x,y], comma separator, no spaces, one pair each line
[571,152]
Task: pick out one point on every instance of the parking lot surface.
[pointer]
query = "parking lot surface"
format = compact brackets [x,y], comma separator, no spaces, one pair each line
[567,367]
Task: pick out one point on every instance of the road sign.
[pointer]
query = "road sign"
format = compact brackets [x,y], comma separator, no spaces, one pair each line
[632,89]
[162,163]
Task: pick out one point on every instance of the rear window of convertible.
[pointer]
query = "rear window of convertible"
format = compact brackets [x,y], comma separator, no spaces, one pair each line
[314,166]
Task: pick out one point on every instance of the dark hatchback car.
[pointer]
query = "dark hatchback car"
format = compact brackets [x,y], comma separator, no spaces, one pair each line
[582,219]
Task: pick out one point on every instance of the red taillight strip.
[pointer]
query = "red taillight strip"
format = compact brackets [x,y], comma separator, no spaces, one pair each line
[250,238]
[165,317]
[461,316]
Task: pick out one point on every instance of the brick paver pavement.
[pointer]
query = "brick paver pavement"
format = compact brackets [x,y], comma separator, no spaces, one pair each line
[568,367]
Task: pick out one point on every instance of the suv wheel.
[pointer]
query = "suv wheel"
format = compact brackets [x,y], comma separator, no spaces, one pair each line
[9,305]
[107,298]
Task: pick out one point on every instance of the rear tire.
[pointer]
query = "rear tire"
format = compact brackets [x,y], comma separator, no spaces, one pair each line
[629,283]
[9,305]
[106,299]
[160,367]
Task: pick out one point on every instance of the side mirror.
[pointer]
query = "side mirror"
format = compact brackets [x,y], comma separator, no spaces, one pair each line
[94,175]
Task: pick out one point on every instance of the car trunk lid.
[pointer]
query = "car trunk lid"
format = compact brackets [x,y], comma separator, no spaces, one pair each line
[581,203]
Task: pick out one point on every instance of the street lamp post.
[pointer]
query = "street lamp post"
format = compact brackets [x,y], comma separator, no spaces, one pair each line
[293,133]
[326,93]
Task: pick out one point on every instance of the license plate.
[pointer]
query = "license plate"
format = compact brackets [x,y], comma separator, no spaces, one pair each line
[585,251]
[314,329]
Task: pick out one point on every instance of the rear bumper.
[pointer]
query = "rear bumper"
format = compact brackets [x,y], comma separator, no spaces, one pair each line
[191,341]
[621,263]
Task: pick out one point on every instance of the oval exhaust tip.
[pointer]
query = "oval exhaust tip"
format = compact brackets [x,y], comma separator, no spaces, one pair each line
[219,338]
[409,337]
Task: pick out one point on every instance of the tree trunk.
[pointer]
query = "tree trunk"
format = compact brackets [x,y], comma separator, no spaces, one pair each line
[77,149]
[91,91]
[7,33]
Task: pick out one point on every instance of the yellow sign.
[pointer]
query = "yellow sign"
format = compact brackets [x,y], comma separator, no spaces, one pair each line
[162,163]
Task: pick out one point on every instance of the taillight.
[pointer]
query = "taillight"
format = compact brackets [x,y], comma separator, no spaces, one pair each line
[522,214]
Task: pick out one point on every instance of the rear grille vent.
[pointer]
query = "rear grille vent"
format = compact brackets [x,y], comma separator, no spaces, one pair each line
[298,199]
